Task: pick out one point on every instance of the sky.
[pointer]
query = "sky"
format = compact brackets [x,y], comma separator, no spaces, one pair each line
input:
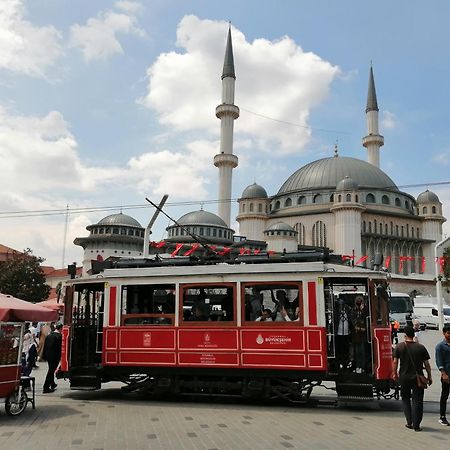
[106,103]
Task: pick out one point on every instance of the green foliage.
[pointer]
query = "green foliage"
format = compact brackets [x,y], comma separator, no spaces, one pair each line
[22,276]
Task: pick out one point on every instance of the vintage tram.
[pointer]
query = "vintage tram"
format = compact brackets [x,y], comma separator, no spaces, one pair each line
[259,326]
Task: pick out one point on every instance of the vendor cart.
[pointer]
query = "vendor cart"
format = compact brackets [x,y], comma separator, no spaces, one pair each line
[13,313]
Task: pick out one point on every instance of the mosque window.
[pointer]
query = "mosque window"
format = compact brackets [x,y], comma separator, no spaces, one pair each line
[251,207]
[142,234]
[182,232]
[412,231]
[402,230]
[364,226]
[300,229]
[177,231]
[374,226]
[396,230]
[123,231]
[433,209]
[406,204]
[407,230]
[386,229]
[301,200]
[331,198]
[385,200]
[418,234]
[370,198]
[267,208]
[115,230]
[260,207]
[370,227]
[397,202]
[130,232]
[220,233]
[278,233]
[208,232]
[392,228]
[348,198]
[288,202]
[381,228]
[214,232]
[270,207]
[201,231]
[424,210]
[101,231]
[339,198]
[319,235]
[243,207]
[277,205]
[356,198]
[317,199]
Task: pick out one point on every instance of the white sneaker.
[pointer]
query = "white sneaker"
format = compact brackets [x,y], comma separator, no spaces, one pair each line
[444,421]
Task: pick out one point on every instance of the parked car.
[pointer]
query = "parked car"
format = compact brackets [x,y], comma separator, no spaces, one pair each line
[427,313]
[446,312]
[400,308]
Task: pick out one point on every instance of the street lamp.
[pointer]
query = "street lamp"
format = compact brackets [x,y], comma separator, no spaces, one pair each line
[439,283]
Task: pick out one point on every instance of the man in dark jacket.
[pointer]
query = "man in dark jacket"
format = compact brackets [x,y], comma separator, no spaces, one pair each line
[52,354]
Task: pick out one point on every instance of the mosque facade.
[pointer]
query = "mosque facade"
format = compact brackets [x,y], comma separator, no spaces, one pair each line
[346,204]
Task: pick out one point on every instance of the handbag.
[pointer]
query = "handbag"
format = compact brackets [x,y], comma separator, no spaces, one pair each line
[421,380]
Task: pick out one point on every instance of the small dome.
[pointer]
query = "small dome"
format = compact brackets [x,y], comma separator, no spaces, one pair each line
[120,219]
[254,191]
[201,218]
[280,226]
[428,197]
[347,184]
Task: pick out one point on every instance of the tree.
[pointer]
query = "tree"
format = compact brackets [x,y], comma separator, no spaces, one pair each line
[22,276]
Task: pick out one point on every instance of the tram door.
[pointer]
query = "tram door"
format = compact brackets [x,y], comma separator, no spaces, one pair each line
[349,312]
[87,325]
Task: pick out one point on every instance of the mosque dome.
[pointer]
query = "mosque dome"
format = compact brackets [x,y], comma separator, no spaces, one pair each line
[120,219]
[254,191]
[201,218]
[428,197]
[326,173]
[280,226]
[347,184]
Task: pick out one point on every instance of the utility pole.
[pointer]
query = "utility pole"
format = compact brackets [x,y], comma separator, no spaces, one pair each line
[65,238]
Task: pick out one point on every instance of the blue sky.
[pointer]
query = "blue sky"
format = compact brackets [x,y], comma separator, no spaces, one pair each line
[105,103]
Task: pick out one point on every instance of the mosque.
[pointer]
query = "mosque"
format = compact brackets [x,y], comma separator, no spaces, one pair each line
[346,204]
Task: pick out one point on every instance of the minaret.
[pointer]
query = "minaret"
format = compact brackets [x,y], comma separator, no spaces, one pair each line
[373,141]
[227,112]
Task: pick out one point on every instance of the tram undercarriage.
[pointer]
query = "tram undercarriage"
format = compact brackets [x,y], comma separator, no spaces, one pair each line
[266,385]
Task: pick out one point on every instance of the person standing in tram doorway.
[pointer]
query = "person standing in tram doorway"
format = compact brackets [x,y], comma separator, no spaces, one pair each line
[52,354]
[343,331]
[359,335]
[412,357]
[443,364]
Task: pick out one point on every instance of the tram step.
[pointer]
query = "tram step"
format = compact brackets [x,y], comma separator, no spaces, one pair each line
[87,383]
[354,391]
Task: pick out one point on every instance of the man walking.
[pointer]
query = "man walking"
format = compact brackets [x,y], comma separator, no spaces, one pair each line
[52,354]
[443,364]
[413,357]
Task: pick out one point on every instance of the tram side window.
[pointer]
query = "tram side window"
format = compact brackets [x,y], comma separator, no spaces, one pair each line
[212,303]
[148,304]
[273,303]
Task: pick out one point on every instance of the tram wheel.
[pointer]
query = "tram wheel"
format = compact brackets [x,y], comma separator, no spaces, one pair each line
[16,402]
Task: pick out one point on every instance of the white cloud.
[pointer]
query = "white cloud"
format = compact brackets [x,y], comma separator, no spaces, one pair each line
[25,48]
[276,79]
[389,120]
[98,39]
[442,158]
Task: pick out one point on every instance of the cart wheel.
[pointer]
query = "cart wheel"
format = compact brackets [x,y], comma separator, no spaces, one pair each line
[16,403]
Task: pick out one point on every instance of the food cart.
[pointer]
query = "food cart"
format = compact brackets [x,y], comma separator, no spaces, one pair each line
[13,314]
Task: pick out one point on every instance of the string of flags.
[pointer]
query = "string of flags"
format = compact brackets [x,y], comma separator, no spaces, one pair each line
[190,249]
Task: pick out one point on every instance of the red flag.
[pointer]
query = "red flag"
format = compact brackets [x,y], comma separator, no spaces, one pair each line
[178,247]
[225,251]
[361,260]
[347,257]
[257,251]
[402,260]
[157,244]
[192,250]
[244,251]
[387,262]
[423,264]
[271,252]
[441,263]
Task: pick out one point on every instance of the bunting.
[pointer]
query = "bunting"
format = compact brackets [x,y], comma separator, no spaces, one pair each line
[178,247]
[192,250]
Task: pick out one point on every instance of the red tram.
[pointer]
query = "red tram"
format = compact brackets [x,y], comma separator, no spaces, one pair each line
[186,327]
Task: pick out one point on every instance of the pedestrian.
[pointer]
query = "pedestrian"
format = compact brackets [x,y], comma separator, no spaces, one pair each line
[52,354]
[443,364]
[412,357]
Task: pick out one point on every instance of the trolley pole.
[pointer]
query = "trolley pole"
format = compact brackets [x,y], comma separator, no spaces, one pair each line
[437,267]
[148,230]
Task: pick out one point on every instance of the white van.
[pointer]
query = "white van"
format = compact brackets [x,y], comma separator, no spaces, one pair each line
[400,308]
[427,313]
[446,311]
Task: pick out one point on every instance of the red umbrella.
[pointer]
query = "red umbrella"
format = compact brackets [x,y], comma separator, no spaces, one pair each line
[52,303]
[13,309]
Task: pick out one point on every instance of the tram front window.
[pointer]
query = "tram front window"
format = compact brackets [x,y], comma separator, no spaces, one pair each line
[212,303]
[272,303]
[148,304]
